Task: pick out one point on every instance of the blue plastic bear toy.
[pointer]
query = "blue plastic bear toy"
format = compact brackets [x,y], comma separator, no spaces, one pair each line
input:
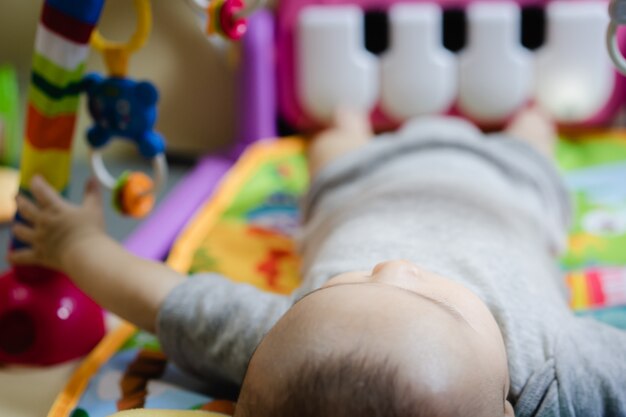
[123,108]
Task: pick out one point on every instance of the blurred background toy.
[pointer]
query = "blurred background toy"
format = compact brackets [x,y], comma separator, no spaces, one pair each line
[44,318]
[125,108]
[9,117]
[394,59]
[617,13]
[227,19]
[9,141]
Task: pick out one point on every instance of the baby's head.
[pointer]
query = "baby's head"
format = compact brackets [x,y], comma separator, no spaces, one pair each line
[398,341]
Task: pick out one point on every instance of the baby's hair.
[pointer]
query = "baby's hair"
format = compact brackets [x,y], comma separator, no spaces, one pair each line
[347,386]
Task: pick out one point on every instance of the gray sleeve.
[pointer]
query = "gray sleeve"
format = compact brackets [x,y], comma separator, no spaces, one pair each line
[210,326]
[585,377]
[591,370]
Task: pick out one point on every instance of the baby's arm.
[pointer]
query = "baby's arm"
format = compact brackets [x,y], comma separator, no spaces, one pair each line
[536,128]
[348,131]
[351,130]
[71,239]
[208,324]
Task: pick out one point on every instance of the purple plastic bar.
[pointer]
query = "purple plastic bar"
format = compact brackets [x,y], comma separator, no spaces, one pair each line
[256,119]
[256,84]
[154,237]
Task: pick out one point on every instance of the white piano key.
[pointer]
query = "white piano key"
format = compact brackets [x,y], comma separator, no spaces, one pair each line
[574,75]
[495,69]
[419,76]
[332,66]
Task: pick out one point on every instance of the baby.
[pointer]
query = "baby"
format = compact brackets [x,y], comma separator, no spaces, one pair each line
[473,321]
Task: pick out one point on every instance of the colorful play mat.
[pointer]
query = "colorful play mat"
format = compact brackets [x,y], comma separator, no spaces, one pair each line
[245,232]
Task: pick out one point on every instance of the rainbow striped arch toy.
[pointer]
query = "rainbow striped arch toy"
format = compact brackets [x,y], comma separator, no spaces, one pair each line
[40,309]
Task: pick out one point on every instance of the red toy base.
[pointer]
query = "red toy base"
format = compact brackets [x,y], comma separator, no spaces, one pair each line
[45,319]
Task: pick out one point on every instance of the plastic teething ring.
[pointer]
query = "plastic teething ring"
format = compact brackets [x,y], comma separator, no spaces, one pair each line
[234,27]
[116,53]
[133,193]
[226,17]
[223,19]
[249,7]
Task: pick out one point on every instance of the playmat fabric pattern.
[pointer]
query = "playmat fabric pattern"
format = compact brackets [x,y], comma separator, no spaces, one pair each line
[246,233]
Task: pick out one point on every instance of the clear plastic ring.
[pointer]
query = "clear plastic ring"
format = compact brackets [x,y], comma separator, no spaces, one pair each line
[100,171]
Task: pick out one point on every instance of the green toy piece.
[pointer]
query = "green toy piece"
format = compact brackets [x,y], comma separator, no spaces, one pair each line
[594,170]
[9,117]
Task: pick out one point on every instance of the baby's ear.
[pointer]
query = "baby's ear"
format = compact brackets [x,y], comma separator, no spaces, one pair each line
[90,82]
[146,93]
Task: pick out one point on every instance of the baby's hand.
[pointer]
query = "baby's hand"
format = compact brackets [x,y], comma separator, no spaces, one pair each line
[55,225]
[535,127]
[348,131]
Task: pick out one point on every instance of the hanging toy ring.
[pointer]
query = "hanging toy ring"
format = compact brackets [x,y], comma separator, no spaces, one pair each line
[137,40]
[613,48]
[617,14]
[124,108]
[223,19]
[228,18]
[133,191]
[116,54]
[201,6]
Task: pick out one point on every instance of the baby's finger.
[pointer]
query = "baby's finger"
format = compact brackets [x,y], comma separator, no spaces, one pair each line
[44,193]
[22,257]
[93,196]
[24,233]
[352,120]
[27,209]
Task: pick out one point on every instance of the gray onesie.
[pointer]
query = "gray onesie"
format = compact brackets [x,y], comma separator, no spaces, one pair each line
[486,211]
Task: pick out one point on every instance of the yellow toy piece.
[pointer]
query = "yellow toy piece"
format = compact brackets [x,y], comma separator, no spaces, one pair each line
[116,54]
[213,25]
